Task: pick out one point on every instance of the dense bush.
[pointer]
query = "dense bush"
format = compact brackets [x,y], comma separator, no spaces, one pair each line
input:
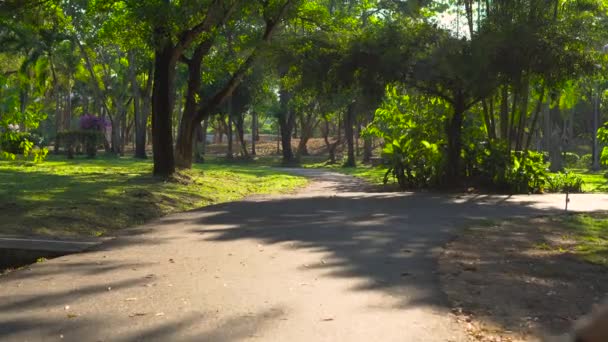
[571,159]
[14,143]
[415,149]
[515,172]
[564,182]
[412,143]
[585,162]
[18,142]
[87,139]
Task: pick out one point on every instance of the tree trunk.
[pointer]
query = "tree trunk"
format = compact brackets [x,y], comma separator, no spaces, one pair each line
[367,149]
[254,131]
[184,144]
[286,125]
[115,137]
[523,114]
[349,134]
[331,147]
[454,133]
[140,127]
[202,145]
[308,124]
[162,108]
[504,113]
[239,124]
[230,153]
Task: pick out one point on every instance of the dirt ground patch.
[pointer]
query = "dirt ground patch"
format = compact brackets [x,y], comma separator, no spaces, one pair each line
[519,280]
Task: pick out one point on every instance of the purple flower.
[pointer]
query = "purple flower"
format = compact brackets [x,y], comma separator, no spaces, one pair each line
[89,121]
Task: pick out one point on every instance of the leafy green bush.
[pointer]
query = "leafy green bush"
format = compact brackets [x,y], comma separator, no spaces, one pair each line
[565,182]
[585,162]
[515,172]
[22,143]
[527,172]
[571,159]
[89,139]
[17,142]
[412,142]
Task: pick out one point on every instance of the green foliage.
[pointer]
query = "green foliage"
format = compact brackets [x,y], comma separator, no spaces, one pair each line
[591,234]
[514,172]
[92,197]
[565,182]
[586,161]
[24,144]
[527,172]
[411,138]
[19,142]
[571,159]
[90,140]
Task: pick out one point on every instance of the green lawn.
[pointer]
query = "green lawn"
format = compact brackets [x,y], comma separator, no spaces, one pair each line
[594,181]
[84,197]
[374,175]
[590,231]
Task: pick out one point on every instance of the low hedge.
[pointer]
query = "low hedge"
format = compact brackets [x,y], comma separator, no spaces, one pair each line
[89,140]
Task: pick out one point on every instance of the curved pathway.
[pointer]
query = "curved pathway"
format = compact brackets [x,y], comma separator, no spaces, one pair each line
[329,263]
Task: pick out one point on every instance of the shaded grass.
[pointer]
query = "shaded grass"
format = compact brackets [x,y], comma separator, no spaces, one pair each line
[84,197]
[590,232]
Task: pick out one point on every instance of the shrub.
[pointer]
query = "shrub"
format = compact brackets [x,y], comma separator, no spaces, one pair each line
[571,159]
[515,172]
[89,139]
[527,172]
[18,143]
[92,122]
[565,182]
[13,143]
[586,161]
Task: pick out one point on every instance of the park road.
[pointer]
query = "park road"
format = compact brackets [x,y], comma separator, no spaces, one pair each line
[329,263]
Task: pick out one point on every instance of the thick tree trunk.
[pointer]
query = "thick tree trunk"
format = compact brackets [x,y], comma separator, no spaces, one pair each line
[504,113]
[162,108]
[349,134]
[367,149]
[286,125]
[331,147]
[254,131]
[308,124]
[454,133]
[202,145]
[523,114]
[183,144]
[140,127]
[115,137]
[230,152]
[239,124]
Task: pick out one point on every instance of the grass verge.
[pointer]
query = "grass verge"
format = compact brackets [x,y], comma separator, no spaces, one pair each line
[85,197]
[594,180]
[589,233]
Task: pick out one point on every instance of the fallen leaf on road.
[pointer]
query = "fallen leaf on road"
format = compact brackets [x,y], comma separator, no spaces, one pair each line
[328,319]
[71,315]
[172,261]
[137,314]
